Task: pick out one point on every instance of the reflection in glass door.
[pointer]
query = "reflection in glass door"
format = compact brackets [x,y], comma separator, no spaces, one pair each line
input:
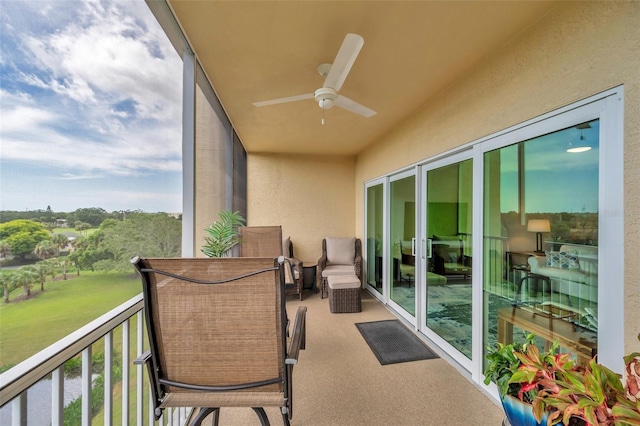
[375,233]
[448,230]
[402,243]
[541,236]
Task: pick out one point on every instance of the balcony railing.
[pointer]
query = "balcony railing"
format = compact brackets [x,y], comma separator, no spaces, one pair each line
[16,382]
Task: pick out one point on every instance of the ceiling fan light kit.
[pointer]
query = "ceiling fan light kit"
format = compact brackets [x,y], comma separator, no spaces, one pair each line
[325,97]
[334,75]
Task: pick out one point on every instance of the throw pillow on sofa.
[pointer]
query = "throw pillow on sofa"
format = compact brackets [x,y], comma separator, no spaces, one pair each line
[562,260]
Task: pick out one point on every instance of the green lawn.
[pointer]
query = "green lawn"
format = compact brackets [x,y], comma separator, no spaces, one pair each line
[29,326]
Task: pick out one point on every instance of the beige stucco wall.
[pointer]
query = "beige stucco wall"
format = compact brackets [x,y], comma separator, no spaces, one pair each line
[577,50]
[311,197]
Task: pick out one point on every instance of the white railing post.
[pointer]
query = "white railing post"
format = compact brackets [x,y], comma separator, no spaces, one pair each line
[108,378]
[126,359]
[86,386]
[19,410]
[139,375]
[57,396]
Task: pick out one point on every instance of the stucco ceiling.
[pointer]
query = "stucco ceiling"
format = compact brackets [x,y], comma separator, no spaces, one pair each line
[413,50]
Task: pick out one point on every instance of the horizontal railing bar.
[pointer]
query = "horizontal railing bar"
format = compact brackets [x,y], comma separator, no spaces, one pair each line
[24,375]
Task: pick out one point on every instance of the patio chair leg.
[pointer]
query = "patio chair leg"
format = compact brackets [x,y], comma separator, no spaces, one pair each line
[203,413]
[264,420]
[285,417]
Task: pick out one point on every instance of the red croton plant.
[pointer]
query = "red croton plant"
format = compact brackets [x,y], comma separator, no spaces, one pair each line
[575,395]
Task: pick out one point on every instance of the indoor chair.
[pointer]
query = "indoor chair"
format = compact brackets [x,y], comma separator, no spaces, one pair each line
[217,331]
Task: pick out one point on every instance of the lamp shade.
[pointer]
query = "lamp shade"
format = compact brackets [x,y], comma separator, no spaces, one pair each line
[538,225]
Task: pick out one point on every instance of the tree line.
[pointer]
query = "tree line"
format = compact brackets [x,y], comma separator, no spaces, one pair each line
[108,248]
[92,216]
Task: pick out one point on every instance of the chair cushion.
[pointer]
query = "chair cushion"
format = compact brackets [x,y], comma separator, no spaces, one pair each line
[341,251]
[337,282]
[338,270]
[285,246]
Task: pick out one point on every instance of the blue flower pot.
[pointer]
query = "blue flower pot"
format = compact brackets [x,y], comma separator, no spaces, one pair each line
[520,413]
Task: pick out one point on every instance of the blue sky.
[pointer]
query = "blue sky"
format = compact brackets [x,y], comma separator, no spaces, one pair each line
[555,180]
[90,107]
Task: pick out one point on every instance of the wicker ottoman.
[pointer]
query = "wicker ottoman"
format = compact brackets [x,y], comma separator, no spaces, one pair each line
[344,294]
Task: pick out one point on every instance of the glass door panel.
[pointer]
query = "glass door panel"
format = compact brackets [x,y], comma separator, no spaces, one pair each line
[541,240]
[448,277]
[402,243]
[375,233]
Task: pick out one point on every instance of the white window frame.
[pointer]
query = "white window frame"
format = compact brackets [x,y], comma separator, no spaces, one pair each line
[608,108]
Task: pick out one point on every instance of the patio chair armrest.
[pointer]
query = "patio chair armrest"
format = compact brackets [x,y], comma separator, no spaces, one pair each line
[358,265]
[298,336]
[143,358]
[296,264]
[322,262]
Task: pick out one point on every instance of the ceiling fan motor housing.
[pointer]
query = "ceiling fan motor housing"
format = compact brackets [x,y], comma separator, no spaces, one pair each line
[325,97]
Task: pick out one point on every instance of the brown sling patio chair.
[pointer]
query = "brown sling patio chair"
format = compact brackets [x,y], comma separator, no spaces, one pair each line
[260,241]
[218,335]
[267,241]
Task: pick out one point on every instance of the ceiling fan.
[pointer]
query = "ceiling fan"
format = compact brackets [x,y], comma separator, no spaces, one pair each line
[334,75]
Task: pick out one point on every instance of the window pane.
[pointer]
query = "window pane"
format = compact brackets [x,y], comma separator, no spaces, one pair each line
[375,232]
[541,238]
[402,231]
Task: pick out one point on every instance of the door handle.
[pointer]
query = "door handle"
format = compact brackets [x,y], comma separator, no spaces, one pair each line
[413,247]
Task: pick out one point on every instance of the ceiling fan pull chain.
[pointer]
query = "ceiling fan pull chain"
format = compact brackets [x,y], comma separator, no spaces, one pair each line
[322,117]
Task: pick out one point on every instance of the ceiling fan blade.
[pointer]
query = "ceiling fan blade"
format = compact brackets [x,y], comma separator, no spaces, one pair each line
[353,106]
[344,61]
[284,100]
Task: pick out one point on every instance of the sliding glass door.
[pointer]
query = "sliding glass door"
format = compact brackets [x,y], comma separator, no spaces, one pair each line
[447,221]
[374,244]
[511,235]
[541,240]
[401,245]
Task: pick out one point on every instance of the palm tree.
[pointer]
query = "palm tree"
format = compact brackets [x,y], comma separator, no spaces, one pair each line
[5,249]
[53,264]
[43,268]
[25,276]
[64,262]
[6,281]
[45,249]
[61,241]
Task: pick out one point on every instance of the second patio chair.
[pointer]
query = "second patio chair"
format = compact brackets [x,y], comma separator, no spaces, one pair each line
[218,335]
[260,241]
[267,241]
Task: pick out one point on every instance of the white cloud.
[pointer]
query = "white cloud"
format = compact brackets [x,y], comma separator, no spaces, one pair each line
[90,89]
[101,59]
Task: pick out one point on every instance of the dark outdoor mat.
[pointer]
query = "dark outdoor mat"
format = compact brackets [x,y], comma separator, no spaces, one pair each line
[391,342]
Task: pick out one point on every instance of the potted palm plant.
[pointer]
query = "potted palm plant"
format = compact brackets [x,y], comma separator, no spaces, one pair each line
[548,388]
[223,234]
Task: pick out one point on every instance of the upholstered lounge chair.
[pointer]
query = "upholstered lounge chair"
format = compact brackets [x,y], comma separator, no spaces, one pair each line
[340,256]
[217,330]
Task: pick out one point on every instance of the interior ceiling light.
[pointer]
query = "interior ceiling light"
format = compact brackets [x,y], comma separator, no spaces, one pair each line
[580,147]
